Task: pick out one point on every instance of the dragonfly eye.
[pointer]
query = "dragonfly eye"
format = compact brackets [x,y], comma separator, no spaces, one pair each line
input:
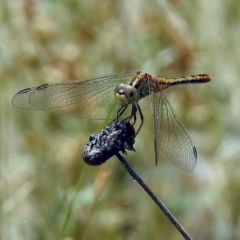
[119,88]
[120,95]
[125,94]
[131,94]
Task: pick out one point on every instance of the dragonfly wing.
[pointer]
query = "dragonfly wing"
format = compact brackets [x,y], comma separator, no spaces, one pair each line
[170,135]
[92,98]
[144,102]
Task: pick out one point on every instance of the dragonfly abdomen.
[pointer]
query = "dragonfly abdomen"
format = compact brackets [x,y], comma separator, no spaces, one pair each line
[158,84]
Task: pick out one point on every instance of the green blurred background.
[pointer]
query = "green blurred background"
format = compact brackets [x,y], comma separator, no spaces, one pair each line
[47,191]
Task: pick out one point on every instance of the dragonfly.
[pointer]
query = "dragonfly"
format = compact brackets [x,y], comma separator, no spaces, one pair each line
[109,96]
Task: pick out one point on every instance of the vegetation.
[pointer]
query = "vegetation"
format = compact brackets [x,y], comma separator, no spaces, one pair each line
[47,191]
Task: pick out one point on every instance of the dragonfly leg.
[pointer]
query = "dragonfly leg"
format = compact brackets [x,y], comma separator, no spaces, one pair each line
[135,108]
[141,117]
[120,111]
[132,115]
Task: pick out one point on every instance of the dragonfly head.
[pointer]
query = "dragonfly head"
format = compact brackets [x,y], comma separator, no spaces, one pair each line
[125,94]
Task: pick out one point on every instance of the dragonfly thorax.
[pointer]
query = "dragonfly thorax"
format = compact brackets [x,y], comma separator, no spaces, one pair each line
[126,94]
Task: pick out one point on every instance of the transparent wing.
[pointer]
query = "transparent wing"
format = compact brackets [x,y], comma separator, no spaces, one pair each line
[92,98]
[170,135]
